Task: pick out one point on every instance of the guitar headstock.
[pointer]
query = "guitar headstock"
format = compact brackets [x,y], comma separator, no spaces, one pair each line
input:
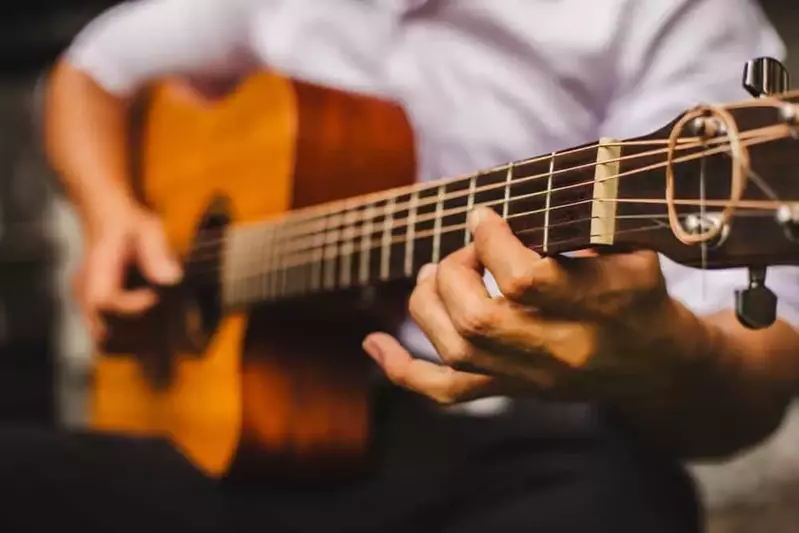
[723,189]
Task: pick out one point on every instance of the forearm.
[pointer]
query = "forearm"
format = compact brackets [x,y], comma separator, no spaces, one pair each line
[86,133]
[730,394]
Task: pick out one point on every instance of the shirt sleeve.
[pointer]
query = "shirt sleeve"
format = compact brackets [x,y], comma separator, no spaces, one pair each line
[134,42]
[676,55]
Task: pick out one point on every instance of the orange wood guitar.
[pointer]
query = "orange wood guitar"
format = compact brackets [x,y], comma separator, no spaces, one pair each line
[293,209]
[289,384]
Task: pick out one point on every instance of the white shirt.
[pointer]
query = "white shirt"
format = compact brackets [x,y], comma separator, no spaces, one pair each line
[484,82]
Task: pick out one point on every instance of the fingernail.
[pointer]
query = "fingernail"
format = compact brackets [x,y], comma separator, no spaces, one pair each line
[171,272]
[371,348]
[476,216]
[425,272]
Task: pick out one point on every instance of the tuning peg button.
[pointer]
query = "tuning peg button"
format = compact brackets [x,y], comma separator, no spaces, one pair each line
[765,76]
[756,305]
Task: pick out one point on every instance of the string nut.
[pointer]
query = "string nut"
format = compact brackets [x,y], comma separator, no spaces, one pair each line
[788,114]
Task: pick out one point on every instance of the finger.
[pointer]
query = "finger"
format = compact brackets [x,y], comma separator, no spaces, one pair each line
[133,302]
[155,257]
[440,383]
[592,286]
[466,300]
[91,319]
[502,254]
[571,287]
[429,313]
[102,283]
[102,275]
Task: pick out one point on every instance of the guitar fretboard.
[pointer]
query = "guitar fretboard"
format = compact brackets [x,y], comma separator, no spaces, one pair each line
[547,201]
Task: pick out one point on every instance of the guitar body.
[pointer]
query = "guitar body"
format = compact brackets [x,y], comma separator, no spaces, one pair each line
[281,390]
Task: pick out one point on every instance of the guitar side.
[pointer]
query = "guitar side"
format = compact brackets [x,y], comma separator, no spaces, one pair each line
[262,394]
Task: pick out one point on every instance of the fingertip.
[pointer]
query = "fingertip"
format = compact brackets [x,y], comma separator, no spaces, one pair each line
[426,271]
[167,272]
[477,216]
[371,345]
[383,347]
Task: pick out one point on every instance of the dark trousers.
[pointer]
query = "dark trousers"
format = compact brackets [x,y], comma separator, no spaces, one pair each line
[535,469]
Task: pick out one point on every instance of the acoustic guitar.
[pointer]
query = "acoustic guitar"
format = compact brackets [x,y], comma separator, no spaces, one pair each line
[295,210]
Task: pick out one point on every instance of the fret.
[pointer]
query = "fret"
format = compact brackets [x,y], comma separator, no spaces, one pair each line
[385,246]
[291,256]
[348,233]
[282,259]
[317,255]
[481,189]
[459,195]
[548,207]
[410,233]
[229,267]
[606,191]
[490,189]
[440,196]
[331,250]
[267,238]
[552,203]
[423,228]
[298,259]
[367,228]
[467,236]
[508,181]
[272,266]
[248,260]
[562,212]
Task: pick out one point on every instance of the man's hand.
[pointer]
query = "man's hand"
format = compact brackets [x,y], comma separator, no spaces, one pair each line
[585,328]
[120,236]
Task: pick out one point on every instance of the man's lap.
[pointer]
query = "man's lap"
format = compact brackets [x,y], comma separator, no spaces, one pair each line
[454,474]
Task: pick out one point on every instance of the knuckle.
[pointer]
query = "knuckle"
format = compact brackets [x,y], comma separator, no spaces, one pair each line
[397,376]
[518,282]
[447,396]
[475,322]
[456,355]
[651,277]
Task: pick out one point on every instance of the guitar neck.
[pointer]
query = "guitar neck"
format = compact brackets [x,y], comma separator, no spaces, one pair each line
[553,204]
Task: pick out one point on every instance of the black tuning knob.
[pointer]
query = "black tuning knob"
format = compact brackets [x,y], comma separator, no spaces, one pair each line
[756,305]
[765,76]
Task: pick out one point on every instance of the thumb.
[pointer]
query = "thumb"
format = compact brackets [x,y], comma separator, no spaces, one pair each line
[155,257]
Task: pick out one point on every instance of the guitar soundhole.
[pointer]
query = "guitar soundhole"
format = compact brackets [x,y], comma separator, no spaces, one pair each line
[202,294]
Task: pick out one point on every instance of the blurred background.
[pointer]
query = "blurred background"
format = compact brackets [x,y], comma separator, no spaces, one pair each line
[43,346]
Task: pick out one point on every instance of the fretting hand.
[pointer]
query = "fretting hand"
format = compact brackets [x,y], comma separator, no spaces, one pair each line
[585,328]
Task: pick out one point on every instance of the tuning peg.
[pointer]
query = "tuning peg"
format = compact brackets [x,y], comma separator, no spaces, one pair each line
[765,76]
[756,305]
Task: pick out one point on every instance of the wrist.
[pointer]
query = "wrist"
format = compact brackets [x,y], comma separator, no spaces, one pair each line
[709,403]
[104,202]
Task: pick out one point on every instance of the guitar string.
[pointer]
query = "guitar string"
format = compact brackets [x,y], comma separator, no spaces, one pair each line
[296,232]
[349,205]
[235,296]
[285,264]
[285,258]
[212,243]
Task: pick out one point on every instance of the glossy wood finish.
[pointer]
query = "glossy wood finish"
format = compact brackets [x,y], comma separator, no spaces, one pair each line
[278,388]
